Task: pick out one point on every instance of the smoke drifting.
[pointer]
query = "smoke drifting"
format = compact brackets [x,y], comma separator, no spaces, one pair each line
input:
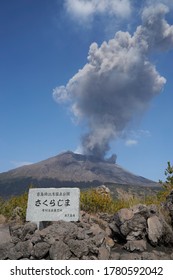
[118,82]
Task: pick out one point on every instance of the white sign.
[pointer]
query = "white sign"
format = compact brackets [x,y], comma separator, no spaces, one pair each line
[53,204]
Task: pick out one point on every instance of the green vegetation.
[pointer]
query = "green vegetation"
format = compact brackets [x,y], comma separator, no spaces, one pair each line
[14,206]
[92,201]
[168,184]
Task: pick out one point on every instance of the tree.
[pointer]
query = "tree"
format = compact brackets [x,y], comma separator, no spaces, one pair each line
[168,184]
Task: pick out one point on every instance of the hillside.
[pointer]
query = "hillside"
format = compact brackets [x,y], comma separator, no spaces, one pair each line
[68,169]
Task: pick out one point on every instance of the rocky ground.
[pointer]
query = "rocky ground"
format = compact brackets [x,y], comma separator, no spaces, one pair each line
[4,234]
[141,232]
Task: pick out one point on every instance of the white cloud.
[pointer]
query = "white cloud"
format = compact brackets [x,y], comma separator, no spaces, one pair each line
[79,10]
[133,137]
[85,10]
[131,142]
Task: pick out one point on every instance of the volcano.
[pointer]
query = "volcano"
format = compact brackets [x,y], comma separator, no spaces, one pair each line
[68,170]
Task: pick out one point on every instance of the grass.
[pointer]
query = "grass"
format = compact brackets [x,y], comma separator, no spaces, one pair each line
[92,201]
[7,207]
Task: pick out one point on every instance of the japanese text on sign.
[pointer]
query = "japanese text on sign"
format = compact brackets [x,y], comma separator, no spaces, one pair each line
[53,204]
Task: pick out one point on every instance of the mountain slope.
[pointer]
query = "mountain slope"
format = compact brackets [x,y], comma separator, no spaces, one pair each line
[67,169]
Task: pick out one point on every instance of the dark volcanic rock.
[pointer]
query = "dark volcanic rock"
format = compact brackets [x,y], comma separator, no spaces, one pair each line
[60,251]
[41,249]
[20,250]
[138,233]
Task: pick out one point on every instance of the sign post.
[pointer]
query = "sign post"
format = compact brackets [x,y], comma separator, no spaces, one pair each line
[53,204]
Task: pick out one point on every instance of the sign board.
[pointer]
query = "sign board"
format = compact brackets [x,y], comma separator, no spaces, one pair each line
[53,204]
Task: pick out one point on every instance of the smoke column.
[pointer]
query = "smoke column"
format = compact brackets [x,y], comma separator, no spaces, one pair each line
[119,81]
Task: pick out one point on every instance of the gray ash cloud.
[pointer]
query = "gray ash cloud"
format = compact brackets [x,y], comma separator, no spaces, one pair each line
[119,81]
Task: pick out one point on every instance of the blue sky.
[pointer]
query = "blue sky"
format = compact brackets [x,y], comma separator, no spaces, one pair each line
[43,45]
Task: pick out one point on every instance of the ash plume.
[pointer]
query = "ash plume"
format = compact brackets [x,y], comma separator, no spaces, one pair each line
[119,81]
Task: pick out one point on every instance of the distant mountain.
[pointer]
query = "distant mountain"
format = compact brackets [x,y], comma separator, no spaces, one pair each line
[68,170]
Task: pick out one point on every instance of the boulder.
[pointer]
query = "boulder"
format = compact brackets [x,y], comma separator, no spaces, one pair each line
[104,253]
[22,249]
[59,251]
[136,245]
[103,190]
[132,222]
[78,247]
[155,229]
[41,249]
[4,250]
